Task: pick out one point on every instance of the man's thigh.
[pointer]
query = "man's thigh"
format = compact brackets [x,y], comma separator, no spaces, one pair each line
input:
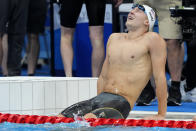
[169,29]
[168,26]
[96,12]
[18,16]
[69,12]
[36,16]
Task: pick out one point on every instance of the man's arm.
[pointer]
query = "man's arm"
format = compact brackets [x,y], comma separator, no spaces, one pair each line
[158,53]
[101,79]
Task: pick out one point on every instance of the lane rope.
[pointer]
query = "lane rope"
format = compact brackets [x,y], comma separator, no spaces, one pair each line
[36,119]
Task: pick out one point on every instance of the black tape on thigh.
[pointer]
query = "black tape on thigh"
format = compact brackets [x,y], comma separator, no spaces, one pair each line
[107,113]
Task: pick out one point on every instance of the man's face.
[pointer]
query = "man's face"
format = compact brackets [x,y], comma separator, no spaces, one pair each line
[136,17]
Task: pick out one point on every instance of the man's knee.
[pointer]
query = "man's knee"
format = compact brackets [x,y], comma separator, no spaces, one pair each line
[96,32]
[67,31]
[33,36]
[174,44]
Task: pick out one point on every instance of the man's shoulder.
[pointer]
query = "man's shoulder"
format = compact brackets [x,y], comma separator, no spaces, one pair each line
[153,35]
[155,39]
[116,35]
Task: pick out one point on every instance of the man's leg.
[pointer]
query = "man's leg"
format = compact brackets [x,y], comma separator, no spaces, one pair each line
[175,59]
[98,52]
[96,15]
[3,20]
[16,32]
[15,44]
[67,49]
[5,52]
[35,26]
[175,62]
[33,49]
[70,10]
[86,116]
[1,49]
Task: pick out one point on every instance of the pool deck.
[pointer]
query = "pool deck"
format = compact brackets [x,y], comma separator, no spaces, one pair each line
[187,116]
[184,112]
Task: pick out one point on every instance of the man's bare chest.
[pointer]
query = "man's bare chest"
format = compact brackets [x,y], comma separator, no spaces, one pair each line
[126,51]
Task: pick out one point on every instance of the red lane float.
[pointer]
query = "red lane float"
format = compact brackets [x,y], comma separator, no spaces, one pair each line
[35,119]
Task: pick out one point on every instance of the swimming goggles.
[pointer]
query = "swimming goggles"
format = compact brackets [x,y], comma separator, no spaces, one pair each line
[141,7]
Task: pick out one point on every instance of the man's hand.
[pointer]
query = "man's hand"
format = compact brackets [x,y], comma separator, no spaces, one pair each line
[194,118]
[154,117]
[117,2]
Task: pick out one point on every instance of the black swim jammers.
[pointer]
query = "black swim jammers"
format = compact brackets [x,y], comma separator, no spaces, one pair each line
[105,105]
[70,10]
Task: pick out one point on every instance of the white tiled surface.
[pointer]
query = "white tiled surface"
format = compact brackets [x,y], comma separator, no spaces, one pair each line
[4,96]
[26,95]
[38,95]
[43,95]
[61,98]
[15,96]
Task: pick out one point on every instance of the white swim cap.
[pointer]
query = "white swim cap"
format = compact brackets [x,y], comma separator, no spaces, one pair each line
[151,16]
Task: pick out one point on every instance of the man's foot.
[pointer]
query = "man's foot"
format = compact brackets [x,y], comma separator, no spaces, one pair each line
[146,97]
[174,98]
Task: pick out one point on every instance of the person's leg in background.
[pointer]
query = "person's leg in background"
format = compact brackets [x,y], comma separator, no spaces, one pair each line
[67,49]
[4,56]
[15,44]
[35,26]
[1,49]
[96,15]
[16,32]
[175,63]
[32,50]
[4,7]
[98,52]
[171,32]
[69,13]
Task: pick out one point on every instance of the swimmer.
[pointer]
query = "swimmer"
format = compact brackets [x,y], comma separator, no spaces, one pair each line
[131,59]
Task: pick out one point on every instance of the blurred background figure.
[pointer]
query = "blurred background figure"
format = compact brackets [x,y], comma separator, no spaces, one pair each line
[69,14]
[35,26]
[3,53]
[16,16]
[190,70]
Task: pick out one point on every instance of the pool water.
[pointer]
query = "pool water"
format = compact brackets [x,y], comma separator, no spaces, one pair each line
[78,127]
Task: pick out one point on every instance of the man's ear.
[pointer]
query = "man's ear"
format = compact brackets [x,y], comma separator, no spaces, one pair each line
[146,23]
